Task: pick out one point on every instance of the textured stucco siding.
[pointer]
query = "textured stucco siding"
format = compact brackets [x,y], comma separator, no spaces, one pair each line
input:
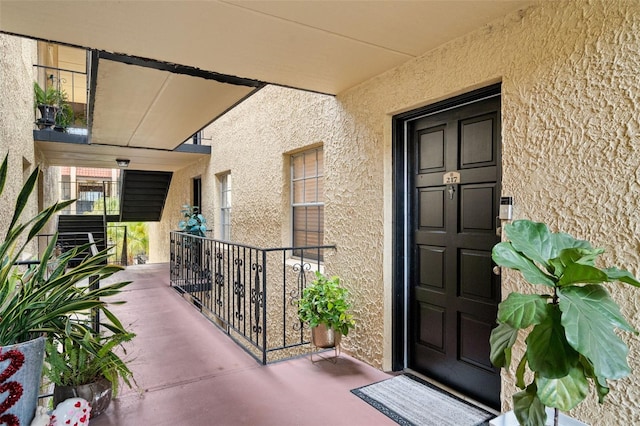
[570,94]
[570,102]
[252,143]
[17,56]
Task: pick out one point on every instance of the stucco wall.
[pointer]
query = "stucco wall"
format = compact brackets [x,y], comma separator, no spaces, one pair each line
[17,56]
[569,73]
[251,142]
[570,93]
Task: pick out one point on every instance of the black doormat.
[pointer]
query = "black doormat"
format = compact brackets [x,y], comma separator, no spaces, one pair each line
[409,400]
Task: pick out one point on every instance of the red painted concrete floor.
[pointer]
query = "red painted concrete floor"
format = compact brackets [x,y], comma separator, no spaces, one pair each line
[188,372]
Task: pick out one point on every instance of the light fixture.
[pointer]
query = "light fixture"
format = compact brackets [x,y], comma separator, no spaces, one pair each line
[122,162]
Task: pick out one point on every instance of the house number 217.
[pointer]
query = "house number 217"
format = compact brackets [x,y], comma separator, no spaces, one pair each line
[451,177]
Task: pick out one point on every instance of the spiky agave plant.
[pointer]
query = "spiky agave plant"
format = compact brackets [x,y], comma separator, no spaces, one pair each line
[571,339]
[40,301]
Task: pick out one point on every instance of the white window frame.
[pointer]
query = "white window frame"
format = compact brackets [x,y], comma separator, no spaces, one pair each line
[317,175]
[225,206]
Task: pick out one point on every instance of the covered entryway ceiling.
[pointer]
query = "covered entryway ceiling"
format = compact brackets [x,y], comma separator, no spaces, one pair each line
[322,46]
[146,104]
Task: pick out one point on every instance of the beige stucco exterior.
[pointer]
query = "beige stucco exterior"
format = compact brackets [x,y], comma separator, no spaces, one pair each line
[16,122]
[570,136]
[570,127]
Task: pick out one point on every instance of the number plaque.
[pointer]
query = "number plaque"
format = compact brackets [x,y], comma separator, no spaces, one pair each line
[451,177]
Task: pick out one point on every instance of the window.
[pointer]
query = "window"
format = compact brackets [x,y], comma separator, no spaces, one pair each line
[197,194]
[225,207]
[196,139]
[307,200]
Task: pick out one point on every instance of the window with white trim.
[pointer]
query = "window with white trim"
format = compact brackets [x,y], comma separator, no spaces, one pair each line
[307,200]
[225,207]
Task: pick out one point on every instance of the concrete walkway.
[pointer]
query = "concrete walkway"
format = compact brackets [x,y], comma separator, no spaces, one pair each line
[189,372]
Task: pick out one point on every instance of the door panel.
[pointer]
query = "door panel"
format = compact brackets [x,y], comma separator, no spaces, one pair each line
[453,292]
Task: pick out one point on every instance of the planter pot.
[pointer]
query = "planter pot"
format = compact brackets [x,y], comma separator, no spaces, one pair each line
[21,371]
[509,419]
[47,115]
[324,337]
[98,394]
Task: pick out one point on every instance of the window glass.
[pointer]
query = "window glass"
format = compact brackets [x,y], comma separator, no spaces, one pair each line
[225,207]
[307,201]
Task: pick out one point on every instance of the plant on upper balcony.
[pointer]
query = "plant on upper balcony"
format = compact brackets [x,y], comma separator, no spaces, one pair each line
[193,223]
[64,117]
[571,328]
[53,106]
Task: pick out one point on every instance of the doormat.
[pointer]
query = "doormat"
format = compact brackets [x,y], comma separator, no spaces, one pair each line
[409,400]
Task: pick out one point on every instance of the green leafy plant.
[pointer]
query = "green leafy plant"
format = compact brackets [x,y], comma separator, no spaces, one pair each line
[76,361]
[194,223]
[41,299]
[325,301]
[64,116]
[571,339]
[49,96]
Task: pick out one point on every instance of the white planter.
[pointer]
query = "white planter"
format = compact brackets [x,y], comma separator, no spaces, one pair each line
[509,419]
[21,367]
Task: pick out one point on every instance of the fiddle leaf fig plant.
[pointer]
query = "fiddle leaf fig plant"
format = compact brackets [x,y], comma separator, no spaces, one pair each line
[571,339]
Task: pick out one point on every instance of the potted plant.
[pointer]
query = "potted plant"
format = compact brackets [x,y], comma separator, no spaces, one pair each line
[324,307]
[48,101]
[87,367]
[39,301]
[193,223]
[571,339]
[64,115]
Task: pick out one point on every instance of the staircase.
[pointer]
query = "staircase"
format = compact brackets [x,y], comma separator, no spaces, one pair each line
[73,231]
[143,194]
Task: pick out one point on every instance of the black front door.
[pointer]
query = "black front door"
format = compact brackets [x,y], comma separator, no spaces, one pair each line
[454,175]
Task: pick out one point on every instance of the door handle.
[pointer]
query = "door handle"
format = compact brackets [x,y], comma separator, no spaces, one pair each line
[497,270]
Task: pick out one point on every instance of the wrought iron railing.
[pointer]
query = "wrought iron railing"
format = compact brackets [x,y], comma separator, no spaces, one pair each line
[92,196]
[251,293]
[74,86]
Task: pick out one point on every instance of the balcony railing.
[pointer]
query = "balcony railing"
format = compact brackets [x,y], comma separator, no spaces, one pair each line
[92,197]
[74,85]
[251,293]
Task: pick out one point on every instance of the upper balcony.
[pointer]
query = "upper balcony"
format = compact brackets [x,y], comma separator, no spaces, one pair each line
[119,107]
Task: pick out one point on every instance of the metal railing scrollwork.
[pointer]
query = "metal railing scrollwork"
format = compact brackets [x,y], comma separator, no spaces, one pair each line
[251,293]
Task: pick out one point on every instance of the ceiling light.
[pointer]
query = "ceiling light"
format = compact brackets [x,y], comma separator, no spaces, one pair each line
[122,162]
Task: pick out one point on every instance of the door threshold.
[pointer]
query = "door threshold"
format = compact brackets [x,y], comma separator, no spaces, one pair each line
[451,391]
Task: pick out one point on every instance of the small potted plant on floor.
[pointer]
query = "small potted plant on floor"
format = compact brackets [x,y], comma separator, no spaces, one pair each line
[571,341]
[86,366]
[324,306]
[39,300]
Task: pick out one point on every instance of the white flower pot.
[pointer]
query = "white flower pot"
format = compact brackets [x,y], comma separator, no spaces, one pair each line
[509,419]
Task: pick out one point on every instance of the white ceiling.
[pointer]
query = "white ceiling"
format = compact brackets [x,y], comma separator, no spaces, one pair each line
[134,105]
[325,46]
[104,156]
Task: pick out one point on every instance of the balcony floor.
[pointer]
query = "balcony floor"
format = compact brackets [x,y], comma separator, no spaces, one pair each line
[189,372]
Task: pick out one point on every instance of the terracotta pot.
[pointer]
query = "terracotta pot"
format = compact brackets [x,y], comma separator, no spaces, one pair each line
[324,337]
[98,394]
[20,374]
